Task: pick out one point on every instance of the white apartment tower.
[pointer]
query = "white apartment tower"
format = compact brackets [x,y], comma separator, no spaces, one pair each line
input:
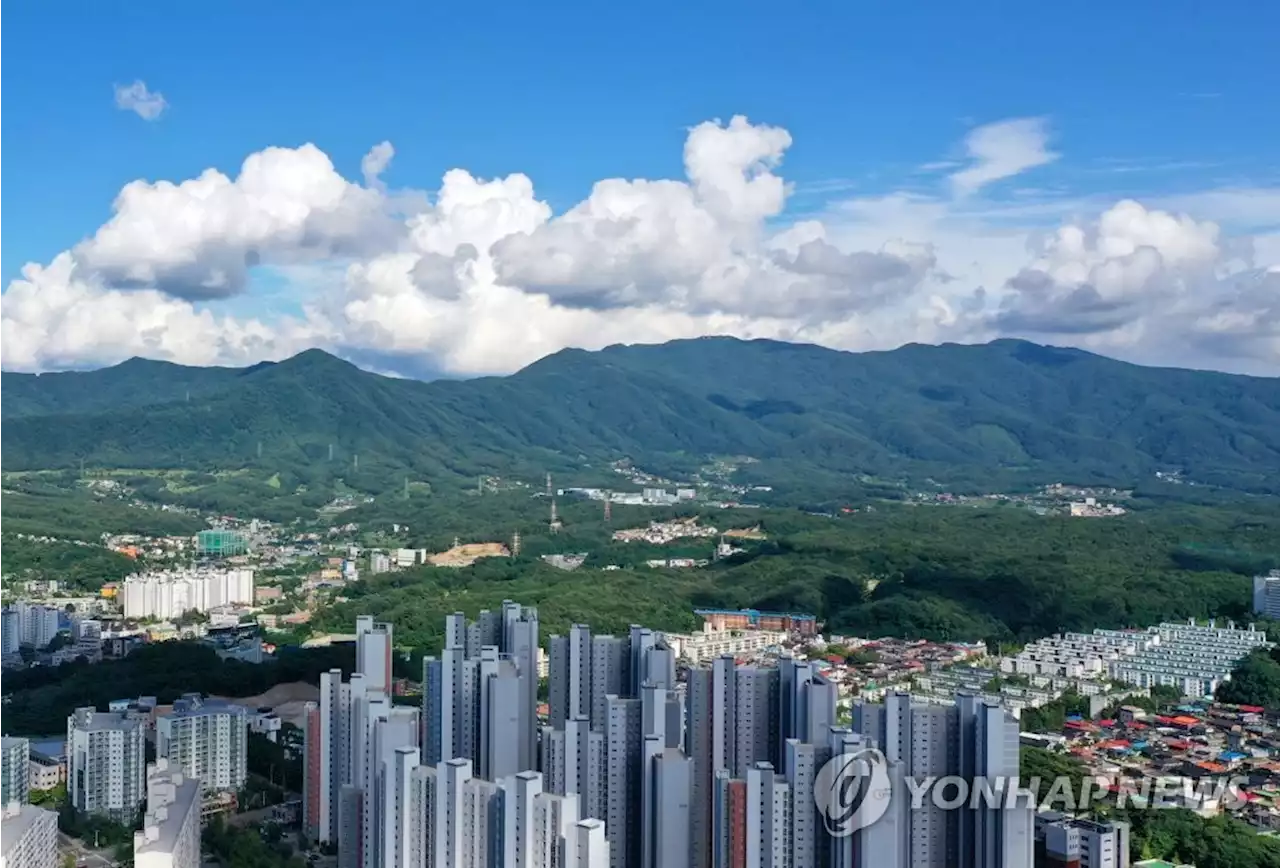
[1266,595]
[324,769]
[106,773]
[28,836]
[15,770]
[170,834]
[973,739]
[373,653]
[206,739]
[480,697]
[589,847]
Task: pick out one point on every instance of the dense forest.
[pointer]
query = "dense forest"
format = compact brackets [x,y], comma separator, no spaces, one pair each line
[38,701]
[994,415]
[1000,574]
[75,567]
[55,508]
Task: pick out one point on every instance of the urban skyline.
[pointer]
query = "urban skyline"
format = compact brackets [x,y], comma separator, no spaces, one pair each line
[643,763]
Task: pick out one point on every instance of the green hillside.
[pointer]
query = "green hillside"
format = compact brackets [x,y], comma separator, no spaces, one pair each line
[1003,413]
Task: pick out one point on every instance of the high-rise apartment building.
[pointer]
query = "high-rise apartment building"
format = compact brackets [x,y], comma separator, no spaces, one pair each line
[637,768]
[1266,595]
[324,768]
[10,630]
[171,593]
[40,625]
[589,847]
[973,739]
[15,770]
[373,653]
[170,834]
[206,739]
[480,696]
[106,772]
[28,837]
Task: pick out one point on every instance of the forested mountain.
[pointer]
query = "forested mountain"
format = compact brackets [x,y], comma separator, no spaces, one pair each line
[1009,410]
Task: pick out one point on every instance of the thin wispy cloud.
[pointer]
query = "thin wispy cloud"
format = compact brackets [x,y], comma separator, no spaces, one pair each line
[1002,150]
[1120,167]
[137,98]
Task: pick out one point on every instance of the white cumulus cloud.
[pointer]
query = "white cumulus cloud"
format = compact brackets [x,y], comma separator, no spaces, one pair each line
[485,277]
[137,98]
[199,238]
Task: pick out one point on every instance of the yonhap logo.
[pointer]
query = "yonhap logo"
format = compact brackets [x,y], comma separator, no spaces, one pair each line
[852,791]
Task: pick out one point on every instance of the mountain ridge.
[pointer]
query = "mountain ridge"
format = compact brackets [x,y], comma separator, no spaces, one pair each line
[1009,406]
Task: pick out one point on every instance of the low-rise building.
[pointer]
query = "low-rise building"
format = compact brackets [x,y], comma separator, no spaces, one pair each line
[711,643]
[1075,841]
[45,773]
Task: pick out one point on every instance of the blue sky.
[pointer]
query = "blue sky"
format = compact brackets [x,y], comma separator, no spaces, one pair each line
[1142,98]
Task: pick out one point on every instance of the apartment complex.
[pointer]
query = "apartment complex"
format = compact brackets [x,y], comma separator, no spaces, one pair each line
[710,643]
[15,774]
[206,739]
[170,834]
[28,837]
[28,624]
[1195,658]
[106,772]
[169,594]
[640,764]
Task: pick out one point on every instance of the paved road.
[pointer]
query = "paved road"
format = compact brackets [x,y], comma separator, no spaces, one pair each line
[84,854]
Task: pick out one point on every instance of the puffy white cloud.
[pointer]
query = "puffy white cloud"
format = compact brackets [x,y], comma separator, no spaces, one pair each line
[136,98]
[1002,150]
[199,238]
[700,246]
[54,321]
[484,277]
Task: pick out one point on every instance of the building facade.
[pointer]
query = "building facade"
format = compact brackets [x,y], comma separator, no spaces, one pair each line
[106,772]
[28,836]
[206,739]
[15,770]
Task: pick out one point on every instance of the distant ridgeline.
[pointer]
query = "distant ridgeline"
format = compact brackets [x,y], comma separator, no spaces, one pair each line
[1007,413]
